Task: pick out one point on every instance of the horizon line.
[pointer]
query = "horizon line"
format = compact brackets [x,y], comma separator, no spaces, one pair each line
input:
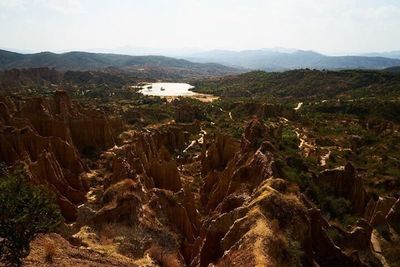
[170,52]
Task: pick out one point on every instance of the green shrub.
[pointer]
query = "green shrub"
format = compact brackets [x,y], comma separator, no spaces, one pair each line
[337,207]
[334,234]
[290,142]
[237,132]
[295,251]
[25,211]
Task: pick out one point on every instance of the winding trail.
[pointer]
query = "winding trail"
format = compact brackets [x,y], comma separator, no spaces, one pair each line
[200,140]
[298,106]
[325,157]
[304,146]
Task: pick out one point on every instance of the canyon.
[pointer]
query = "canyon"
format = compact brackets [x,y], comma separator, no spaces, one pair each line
[185,191]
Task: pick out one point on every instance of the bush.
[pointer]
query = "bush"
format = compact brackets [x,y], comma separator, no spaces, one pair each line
[237,132]
[290,142]
[295,251]
[25,211]
[334,235]
[337,207]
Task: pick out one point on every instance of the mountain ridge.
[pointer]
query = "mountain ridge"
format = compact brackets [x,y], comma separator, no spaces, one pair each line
[82,61]
[391,54]
[209,63]
[280,60]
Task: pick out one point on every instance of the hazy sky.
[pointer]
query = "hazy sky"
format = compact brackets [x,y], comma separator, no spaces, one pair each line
[329,26]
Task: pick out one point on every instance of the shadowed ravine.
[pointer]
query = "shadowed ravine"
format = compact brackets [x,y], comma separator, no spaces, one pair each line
[142,181]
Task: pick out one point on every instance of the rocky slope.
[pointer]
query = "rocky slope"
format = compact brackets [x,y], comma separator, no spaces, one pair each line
[246,214]
[45,136]
[172,194]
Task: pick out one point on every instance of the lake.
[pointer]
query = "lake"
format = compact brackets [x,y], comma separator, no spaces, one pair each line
[168,89]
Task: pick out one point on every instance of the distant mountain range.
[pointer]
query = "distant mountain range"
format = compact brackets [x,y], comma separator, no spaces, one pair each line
[279,60]
[81,61]
[392,54]
[206,63]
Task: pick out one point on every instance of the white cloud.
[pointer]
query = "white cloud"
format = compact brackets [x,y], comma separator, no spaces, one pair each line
[11,3]
[64,6]
[324,25]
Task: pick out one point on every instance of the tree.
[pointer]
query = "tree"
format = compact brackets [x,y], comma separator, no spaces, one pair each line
[26,210]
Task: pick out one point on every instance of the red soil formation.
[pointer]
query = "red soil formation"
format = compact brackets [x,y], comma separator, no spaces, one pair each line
[246,214]
[43,135]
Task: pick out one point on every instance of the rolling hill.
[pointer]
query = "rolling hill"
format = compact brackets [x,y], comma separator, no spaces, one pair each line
[303,84]
[393,69]
[81,61]
[273,60]
[391,54]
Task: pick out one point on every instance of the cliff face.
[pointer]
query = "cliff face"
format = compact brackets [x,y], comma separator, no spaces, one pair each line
[145,190]
[383,211]
[345,183]
[16,79]
[57,117]
[255,218]
[226,206]
[43,134]
[249,216]
[258,231]
[244,227]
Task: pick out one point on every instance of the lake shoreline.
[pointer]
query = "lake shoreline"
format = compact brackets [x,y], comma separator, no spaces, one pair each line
[172,91]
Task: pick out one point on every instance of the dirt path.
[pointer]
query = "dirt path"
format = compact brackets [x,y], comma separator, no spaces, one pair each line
[325,157]
[298,106]
[305,146]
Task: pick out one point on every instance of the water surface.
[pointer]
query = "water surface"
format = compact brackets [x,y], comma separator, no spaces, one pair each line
[168,89]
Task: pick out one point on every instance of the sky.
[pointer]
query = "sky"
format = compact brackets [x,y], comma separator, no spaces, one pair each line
[326,26]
